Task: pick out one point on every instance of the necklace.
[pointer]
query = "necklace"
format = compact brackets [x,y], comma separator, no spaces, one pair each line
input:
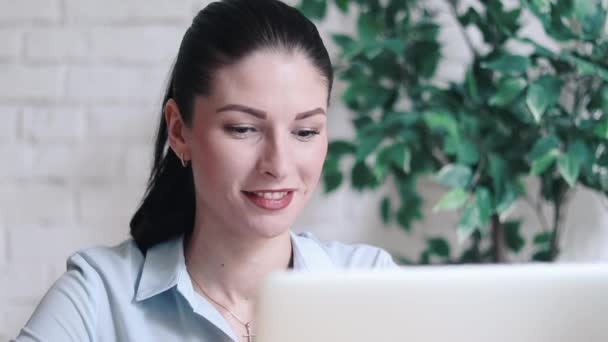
[247,325]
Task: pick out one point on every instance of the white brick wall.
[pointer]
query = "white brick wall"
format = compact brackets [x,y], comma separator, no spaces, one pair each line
[80,85]
[56,44]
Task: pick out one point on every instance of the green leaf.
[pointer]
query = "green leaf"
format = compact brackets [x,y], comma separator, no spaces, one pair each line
[541,164]
[601,130]
[332,181]
[396,155]
[439,247]
[454,199]
[544,256]
[368,144]
[569,167]
[342,5]
[508,89]
[513,239]
[467,152]
[543,146]
[483,202]
[362,176]
[397,46]
[508,64]
[424,56]
[332,176]
[338,148]
[454,175]
[592,16]
[441,121]
[385,210]
[405,216]
[543,239]
[313,9]
[468,223]
[425,258]
[347,44]
[506,198]
[542,94]
[585,67]
[472,88]
[497,172]
[367,26]
[540,6]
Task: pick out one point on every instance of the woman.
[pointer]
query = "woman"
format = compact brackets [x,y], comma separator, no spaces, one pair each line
[239,151]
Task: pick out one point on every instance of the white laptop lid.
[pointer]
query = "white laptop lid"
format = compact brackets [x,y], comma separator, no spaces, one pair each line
[527,303]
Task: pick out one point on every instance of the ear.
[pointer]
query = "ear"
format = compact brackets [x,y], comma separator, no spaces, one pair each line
[176,130]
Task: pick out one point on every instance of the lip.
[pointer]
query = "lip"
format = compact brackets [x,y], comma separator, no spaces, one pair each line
[270,204]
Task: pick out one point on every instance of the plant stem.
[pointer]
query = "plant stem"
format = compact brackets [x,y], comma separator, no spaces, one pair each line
[453,9]
[539,212]
[558,217]
[498,240]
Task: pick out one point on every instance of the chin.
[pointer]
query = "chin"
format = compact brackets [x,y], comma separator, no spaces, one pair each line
[269,228]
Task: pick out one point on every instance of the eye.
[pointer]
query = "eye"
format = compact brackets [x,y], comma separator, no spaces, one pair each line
[305,134]
[240,131]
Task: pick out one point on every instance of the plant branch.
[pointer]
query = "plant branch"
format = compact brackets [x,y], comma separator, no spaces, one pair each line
[454,11]
[538,211]
[558,216]
[438,154]
[498,240]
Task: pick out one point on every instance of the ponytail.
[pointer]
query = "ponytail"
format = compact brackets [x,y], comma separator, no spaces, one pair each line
[167,209]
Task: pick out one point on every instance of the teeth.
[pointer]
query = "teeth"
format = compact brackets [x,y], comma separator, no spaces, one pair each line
[271,195]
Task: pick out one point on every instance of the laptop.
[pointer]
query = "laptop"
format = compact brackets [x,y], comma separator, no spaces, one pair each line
[523,303]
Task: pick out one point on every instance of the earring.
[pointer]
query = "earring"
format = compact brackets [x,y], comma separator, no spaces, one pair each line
[181,158]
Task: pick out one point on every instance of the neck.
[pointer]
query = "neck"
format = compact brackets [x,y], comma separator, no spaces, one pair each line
[231,267]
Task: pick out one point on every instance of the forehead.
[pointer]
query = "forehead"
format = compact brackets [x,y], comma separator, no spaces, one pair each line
[271,81]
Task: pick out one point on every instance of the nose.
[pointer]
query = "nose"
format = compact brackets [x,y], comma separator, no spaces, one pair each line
[274,157]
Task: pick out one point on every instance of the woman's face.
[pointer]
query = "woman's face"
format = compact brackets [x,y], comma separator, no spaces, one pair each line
[258,143]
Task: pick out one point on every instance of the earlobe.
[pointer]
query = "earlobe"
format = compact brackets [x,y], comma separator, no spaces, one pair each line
[176,130]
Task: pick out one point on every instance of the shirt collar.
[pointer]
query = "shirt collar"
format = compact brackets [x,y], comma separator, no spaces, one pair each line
[164,264]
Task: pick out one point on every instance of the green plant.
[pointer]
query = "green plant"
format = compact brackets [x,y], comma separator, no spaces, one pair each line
[540,114]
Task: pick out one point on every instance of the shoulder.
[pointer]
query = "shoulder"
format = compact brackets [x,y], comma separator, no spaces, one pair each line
[117,260]
[351,256]
[70,308]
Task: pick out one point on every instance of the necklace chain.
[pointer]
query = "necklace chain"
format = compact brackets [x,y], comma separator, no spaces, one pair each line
[246,324]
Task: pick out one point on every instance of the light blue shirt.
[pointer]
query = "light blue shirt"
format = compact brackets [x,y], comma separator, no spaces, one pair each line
[118,294]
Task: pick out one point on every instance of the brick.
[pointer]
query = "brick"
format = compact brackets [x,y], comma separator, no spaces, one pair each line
[10,123]
[25,281]
[20,161]
[138,163]
[162,9]
[30,244]
[11,43]
[3,245]
[122,123]
[53,124]
[103,202]
[128,84]
[93,11]
[36,203]
[13,317]
[56,44]
[136,44]
[88,162]
[31,82]
[29,10]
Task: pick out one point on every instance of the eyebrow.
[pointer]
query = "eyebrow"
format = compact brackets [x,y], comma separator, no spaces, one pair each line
[262,115]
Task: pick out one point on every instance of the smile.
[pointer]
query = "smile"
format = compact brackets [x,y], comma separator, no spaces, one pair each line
[270,200]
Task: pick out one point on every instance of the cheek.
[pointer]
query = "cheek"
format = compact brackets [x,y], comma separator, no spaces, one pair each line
[220,161]
[311,162]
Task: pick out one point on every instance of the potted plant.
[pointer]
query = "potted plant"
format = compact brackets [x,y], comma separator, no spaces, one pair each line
[540,114]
